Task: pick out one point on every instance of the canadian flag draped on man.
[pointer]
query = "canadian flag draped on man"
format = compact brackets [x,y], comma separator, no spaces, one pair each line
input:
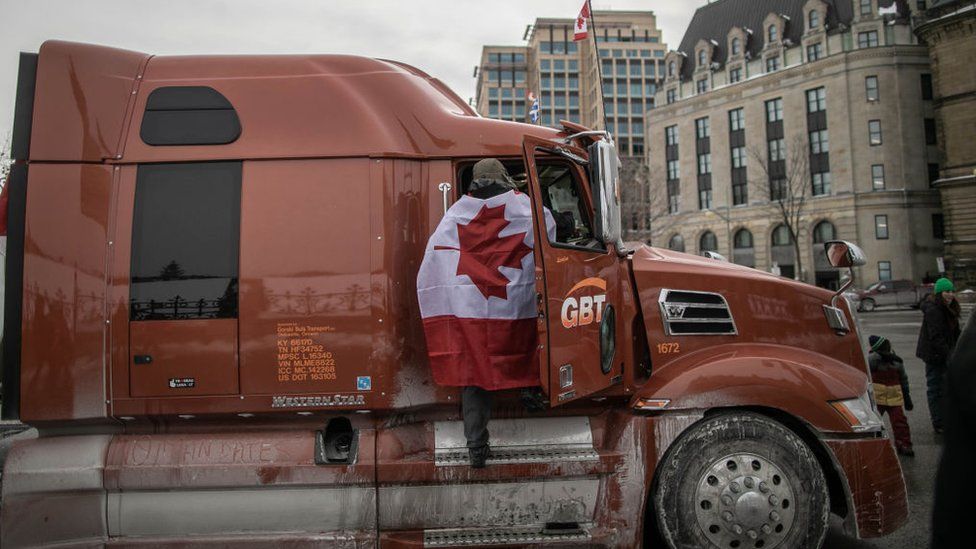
[476,288]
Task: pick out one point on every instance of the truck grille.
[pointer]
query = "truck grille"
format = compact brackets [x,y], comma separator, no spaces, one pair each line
[686,312]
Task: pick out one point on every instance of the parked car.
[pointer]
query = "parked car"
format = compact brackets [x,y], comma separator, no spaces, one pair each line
[901,293]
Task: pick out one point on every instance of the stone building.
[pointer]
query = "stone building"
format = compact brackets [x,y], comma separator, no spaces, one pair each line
[566,79]
[948,27]
[785,123]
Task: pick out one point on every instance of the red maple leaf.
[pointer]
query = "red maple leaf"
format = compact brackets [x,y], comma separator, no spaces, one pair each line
[483,251]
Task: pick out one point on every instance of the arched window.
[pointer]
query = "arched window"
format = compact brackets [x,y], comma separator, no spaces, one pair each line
[823,232]
[781,236]
[671,68]
[677,243]
[701,58]
[772,34]
[742,239]
[813,19]
[708,242]
[736,46]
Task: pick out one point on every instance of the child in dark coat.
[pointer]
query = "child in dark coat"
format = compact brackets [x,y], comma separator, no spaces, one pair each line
[891,390]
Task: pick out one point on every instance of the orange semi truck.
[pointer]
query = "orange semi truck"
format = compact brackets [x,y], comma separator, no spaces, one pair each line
[211,319]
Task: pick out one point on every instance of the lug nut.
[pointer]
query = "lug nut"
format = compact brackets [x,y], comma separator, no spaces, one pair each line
[766,529]
[737,529]
[727,516]
[774,516]
[749,482]
[773,500]
[763,487]
[734,487]
[752,534]
[727,499]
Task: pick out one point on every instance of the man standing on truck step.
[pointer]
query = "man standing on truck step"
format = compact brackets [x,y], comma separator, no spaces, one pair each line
[476,288]
[936,341]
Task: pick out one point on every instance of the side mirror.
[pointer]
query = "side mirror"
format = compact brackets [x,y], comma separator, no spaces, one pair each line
[604,172]
[842,254]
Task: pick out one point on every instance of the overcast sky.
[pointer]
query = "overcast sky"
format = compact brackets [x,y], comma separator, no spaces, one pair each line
[442,37]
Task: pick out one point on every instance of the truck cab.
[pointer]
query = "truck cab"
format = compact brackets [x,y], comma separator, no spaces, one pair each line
[211,318]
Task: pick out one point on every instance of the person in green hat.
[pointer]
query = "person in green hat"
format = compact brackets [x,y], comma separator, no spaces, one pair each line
[936,341]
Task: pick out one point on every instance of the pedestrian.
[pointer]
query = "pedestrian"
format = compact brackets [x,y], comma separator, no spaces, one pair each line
[955,482]
[936,341]
[891,390]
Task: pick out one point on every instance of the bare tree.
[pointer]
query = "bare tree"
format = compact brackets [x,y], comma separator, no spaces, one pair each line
[648,202]
[783,181]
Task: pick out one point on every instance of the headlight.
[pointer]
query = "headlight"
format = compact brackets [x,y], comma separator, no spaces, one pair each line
[860,413]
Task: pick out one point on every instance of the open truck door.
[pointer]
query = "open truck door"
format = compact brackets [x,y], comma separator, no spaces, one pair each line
[576,276]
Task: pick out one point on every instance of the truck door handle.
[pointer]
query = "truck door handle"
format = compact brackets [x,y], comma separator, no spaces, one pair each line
[445,188]
[142,359]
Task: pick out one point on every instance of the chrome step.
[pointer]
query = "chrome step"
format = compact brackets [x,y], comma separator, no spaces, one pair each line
[451,537]
[528,440]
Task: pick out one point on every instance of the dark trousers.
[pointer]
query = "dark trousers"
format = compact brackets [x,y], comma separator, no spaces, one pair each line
[935,374]
[476,411]
[899,425]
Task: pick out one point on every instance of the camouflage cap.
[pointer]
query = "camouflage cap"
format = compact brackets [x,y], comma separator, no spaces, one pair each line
[488,171]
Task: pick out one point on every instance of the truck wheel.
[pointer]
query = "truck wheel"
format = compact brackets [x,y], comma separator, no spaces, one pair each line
[867,305]
[743,481]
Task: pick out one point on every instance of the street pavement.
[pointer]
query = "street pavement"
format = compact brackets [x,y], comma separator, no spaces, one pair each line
[901,327]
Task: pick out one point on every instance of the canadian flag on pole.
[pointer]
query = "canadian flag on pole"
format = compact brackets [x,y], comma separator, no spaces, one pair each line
[579,32]
[476,289]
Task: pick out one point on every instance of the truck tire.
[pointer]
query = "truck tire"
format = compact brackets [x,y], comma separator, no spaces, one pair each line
[867,305]
[741,480]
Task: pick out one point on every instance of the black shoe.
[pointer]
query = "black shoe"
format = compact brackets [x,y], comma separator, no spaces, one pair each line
[533,400]
[478,457]
[906,452]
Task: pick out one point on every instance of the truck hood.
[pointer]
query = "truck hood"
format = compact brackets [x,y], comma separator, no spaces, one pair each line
[767,309]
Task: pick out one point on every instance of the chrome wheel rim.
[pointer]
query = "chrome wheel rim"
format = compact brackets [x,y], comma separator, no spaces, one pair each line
[745,501]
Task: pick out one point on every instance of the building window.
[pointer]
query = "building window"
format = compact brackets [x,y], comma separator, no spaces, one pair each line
[927,87]
[871,88]
[884,271]
[176,274]
[736,46]
[813,19]
[868,39]
[933,174]
[708,242]
[865,7]
[774,110]
[672,169]
[772,34]
[704,197]
[877,177]
[781,236]
[938,226]
[742,239]
[821,184]
[671,135]
[814,51]
[777,150]
[874,132]
[818,142]
[676,243]
[670,96]
[735,75]
[881,227]
[816,100]
[772,64]
[674,190]
[701,58]
[738,157]
[736,120]
[704,164]
[702,128]
[740,193]
[777,189]
[930,136]
[701,86]
[671,69]
[823,232]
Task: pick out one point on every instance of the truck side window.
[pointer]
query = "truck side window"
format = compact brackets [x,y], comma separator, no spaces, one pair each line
[185,241]
[563,196]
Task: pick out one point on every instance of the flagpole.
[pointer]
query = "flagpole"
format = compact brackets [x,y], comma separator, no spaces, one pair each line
[599,67]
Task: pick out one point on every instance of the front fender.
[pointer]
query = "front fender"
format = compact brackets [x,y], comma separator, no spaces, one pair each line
[797,381]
